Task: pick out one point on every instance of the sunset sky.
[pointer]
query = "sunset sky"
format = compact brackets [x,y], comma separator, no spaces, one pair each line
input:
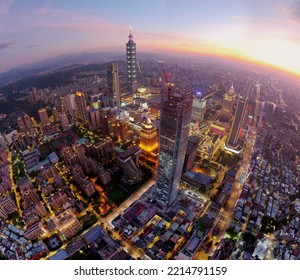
[263,31]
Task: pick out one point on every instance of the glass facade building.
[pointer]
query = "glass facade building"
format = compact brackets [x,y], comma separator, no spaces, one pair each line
[176,110]
[113,85]
[233,139]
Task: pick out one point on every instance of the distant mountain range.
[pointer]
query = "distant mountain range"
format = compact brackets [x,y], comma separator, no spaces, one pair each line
[57,62]
[68,60]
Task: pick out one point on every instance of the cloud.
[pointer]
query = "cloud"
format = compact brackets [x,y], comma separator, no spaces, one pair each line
[6,45]
[30,46]
[293,10]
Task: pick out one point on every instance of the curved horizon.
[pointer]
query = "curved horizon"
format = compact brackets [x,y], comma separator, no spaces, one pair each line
[264,33]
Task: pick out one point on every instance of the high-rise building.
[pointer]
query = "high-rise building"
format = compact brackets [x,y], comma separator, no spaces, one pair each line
[28,193]
[148,137]
[69,156]
[7,206]
[94,119]
[113,85]
[176,110]
[70,104]
[35,230]
[33,96]
[79,151]
[228,102]
[121,131]
[21,124]
[64,121]
[28,122]
[96,101]
[131,63]
[81,106]
[3,144]
[191,153]
[43,116]
[128,160]
[67,224]
[233,142]
[199,107]
[55,113]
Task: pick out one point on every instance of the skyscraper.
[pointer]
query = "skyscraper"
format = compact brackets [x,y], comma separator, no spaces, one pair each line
[33,96]
[55,113]
[28,122]
[176,110]
[198,111]
[21,124]
[228,102]
[94,119]
[113,84]
[131,62]
[43,116]
[64,121]
[80,104]
[233,144]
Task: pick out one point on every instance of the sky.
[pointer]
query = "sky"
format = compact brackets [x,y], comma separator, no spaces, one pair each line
[261,31]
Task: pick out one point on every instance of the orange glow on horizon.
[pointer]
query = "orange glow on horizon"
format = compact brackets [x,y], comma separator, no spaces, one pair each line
[234,55]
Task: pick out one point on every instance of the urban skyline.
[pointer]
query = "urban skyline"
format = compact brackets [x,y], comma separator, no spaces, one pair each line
[260,32]
[162,159]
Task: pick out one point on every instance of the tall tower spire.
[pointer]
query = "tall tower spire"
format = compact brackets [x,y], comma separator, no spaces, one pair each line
[130,37]
[131,62]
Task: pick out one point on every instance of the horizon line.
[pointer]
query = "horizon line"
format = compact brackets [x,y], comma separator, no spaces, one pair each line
[231,57]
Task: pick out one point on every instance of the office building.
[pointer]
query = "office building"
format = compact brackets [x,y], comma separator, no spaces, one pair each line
[233,142]
[227,104]
[113,85]
[128,161]
[81,106]
[131,63]
[198,111]
[176,110]
[148,136]
[191,153]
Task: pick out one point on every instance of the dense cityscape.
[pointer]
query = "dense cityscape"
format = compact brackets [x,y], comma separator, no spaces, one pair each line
[150,157]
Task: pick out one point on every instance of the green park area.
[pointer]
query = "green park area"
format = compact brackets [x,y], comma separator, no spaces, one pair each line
[18,167]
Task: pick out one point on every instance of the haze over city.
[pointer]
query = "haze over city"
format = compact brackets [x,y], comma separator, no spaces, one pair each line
[176,138]
[264,32]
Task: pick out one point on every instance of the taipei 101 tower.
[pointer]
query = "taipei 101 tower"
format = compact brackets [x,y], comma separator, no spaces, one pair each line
[131,63]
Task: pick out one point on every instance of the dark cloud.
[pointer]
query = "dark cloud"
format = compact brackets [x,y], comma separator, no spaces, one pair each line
[31,46]
[294,10]
[6,45]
